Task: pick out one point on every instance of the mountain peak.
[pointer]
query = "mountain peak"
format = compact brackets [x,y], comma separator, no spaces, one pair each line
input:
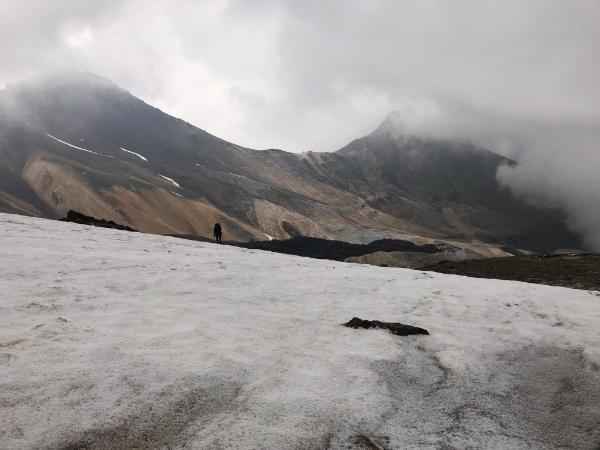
[414,121]
[395,126]
[392,116]
[64,80]
[90,77]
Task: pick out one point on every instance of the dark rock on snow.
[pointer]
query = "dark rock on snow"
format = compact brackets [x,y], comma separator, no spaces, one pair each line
[77,217]
[397,328]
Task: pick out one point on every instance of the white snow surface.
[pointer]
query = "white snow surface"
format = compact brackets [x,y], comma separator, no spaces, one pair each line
[134,153]
[110,339]
[75,146]
[170,179]
[269,237]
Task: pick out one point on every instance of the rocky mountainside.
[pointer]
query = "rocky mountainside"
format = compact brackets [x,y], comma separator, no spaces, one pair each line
[82,143]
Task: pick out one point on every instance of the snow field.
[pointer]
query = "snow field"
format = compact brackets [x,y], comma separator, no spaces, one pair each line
[114,339]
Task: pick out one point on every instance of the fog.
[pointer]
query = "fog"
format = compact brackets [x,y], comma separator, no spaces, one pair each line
[520,78]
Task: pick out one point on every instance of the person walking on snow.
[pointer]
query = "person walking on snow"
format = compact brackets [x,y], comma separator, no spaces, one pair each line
[218,232]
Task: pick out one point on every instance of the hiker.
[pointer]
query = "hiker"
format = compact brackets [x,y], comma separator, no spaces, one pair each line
[218,232]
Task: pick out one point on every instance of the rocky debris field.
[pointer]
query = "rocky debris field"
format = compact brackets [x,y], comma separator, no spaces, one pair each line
[82,219]
[579,271]
[337,250]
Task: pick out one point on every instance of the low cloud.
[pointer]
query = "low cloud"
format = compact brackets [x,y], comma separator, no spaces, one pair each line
[557,164]
[561,176]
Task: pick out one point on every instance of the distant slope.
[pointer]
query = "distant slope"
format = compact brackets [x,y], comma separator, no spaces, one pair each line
[82,143]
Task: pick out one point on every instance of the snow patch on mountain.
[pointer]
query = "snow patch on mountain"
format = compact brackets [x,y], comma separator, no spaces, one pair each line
[170,179]
[134,153]
[75,146]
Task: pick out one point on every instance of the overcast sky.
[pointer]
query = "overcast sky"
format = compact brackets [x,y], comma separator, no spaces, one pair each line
[520,76]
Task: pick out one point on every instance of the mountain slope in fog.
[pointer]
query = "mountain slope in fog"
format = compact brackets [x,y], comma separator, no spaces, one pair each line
[82,143]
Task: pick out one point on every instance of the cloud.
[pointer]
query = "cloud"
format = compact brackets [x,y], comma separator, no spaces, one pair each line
[313,75]
[562,173]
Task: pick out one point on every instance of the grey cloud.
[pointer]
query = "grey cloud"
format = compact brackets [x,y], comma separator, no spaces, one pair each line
[33,36]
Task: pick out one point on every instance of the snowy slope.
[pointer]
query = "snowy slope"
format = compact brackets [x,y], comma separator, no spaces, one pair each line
[112,339]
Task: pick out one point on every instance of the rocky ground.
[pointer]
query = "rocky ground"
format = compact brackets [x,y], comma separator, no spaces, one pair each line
[579,271]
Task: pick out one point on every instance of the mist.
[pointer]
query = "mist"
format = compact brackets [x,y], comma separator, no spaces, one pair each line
[519,78]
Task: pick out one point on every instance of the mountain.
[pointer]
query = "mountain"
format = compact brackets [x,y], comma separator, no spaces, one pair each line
[80,142]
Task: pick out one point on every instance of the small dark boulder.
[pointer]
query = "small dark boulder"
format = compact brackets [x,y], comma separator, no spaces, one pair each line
[77,217]
[397,328]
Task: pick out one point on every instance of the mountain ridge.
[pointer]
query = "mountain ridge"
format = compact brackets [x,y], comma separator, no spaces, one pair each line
[91,146]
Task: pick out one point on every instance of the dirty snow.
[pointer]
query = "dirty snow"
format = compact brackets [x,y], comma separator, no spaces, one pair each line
[75,146]
[134,153]
[176,193]
[110,339]
[170,179]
